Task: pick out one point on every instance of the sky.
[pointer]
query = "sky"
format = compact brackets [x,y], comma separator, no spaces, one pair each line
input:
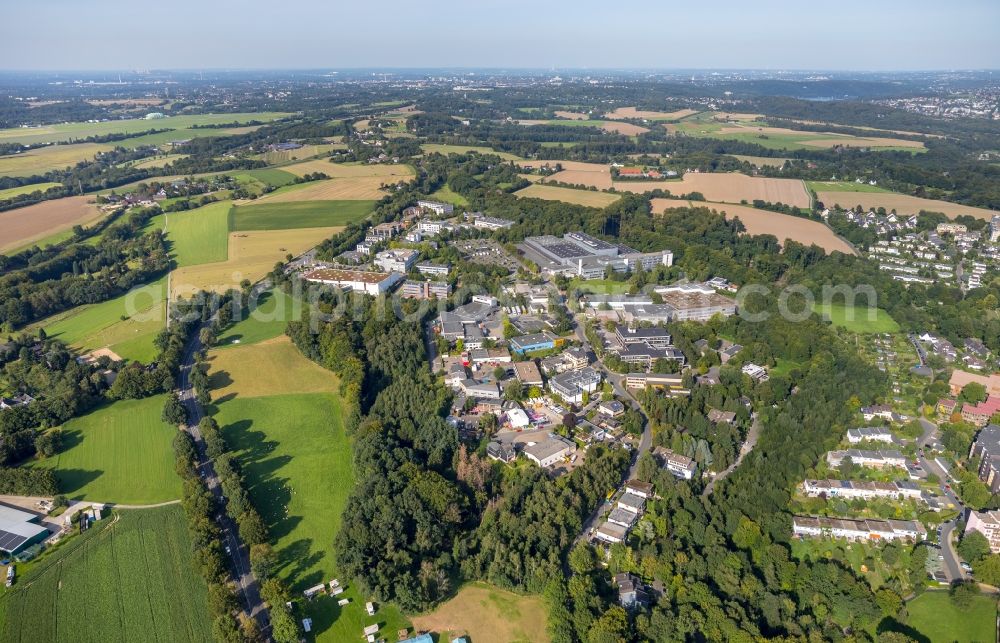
[877,35]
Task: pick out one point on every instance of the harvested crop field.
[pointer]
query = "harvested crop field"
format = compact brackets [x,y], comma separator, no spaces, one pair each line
[49,158]
[252,254]
[573,116]
[762,161]
[358,188]
[728,188]
[901,203]
[868,141]
[568,195]
[628,129]
[341,170]
[22,226]
[632,112]
[270,367]
[782,226]
[599,180]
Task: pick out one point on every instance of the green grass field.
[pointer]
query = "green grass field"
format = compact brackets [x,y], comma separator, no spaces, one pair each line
[274,309]
[285,215]
[120,452]
[95,326]
[67,131]
[842,186]
[201,235]
[446,194]
[270,176]
[127,579]
[296,459]
[857,319]
[10,193]
[934,615]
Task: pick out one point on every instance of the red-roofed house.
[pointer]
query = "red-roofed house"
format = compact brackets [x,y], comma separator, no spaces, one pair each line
[980,414]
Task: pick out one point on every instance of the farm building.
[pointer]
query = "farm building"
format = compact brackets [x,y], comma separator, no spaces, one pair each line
[19,530]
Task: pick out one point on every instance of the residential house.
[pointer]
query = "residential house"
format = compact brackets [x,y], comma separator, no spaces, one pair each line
[500,451]
[639,488]
[820,527]
[611,408]
[716,416]
[865,458]
[980,414]
[986,448]
[870,434]
[631,593]
[679,465]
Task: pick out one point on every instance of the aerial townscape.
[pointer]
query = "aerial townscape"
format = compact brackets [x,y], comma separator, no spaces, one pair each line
[368,327]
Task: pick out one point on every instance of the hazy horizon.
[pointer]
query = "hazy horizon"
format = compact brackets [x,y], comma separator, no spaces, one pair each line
[771,35]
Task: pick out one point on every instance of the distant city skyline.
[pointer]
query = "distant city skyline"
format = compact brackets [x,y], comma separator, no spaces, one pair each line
[854,35]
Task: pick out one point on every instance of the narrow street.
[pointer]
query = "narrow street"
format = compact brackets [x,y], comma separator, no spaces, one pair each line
[747,447]
[952,561]
[236,550]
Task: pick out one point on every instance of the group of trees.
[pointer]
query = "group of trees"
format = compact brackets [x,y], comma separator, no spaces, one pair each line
[60,386]
[228,623]
[40,284]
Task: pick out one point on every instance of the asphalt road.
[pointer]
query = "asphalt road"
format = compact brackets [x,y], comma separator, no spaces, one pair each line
[952,561]
[238,552]
[645,441]
[746,448]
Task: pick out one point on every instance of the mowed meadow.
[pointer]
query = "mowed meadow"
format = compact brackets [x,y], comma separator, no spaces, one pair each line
[119,452]
[282,416]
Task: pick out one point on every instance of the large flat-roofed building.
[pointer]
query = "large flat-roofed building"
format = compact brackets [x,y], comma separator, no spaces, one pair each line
[696,302]
[372,283]
[655,336]
[19,530]
[549,450]
[980,414]
[668,382]
[533,342]
[988,524]
[435,269]
[491,223]
[425,289]
[571,385]
[960,378]
[398,260]
[577,253]
[437,207]
[687,302]
[986,448]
